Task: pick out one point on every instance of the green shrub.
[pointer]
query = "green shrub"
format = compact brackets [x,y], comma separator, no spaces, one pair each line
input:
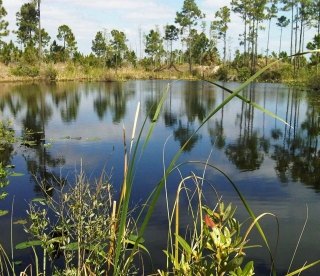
[243,73]
[314,82]
[6,134]
[271,76]
[24,70]
[222,74]
[217,250]
[51,73]
[79,227]
[4,182]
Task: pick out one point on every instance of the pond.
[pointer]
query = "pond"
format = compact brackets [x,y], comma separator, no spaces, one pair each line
[80,125]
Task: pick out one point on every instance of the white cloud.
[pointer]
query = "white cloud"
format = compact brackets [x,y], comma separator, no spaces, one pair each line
[85,18]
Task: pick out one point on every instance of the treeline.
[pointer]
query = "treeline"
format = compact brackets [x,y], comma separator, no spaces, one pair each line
[187,39]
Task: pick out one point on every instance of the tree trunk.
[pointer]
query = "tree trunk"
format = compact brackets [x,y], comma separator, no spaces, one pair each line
[296,41]
[300,40]
[190,56]
[280,41]
[256,45]
[224,47]
[268,40]
[40,38]
[291,42]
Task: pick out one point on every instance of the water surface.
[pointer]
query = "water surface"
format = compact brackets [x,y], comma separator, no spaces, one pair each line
[80,125]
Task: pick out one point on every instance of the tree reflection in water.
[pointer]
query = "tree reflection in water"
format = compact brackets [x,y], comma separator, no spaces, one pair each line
[294,150]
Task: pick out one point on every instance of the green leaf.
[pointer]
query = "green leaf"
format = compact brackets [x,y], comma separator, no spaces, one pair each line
[3,212]
[72,246]
[186,247]
[27,244]
[38,199]
[16,174]
[233,264]
[135,237]
[257,106]
[17,262]
[3,195]
[139,245]
[298,271]
[20,221]
[248,269]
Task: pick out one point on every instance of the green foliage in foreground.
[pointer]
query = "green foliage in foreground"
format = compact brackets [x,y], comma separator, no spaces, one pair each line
[218,248]
[6,134]
[4,182]
[83,229]
[6,140]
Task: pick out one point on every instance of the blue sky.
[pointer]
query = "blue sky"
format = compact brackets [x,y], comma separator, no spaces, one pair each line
[86,17]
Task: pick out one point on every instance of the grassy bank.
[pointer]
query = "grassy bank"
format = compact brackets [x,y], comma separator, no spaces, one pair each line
[71,71]
[279,72]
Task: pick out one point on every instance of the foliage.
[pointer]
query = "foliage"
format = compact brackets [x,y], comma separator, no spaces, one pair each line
[154,46]
[118,48]
[314,82]
[220,26]
[27,22]
[25,70]
[313,45]
[3,23]
[56,53]
[188,18]
[282,23]
[45,38]
[81,230]
[6,140]
[99,46]
[51,73]
[171,34]
[271,76]
[9,53]
[30,55]
[217,249]
[4,182]
[203,50]
[243,73]
[131,58]
[222,73]
[66,35]
[6,134]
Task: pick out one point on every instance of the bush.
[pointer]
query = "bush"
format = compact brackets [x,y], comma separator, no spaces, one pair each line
[78,228]
[24,70]
[243,74]
[314,82]
[271,76]
[222,74]
[51,73]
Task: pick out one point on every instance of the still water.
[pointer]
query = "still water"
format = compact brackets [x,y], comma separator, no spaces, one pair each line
[276,167]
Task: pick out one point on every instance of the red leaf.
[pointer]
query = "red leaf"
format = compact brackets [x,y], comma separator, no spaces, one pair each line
[208,221]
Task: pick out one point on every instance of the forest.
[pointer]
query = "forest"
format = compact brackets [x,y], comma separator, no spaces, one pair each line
[187,45]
